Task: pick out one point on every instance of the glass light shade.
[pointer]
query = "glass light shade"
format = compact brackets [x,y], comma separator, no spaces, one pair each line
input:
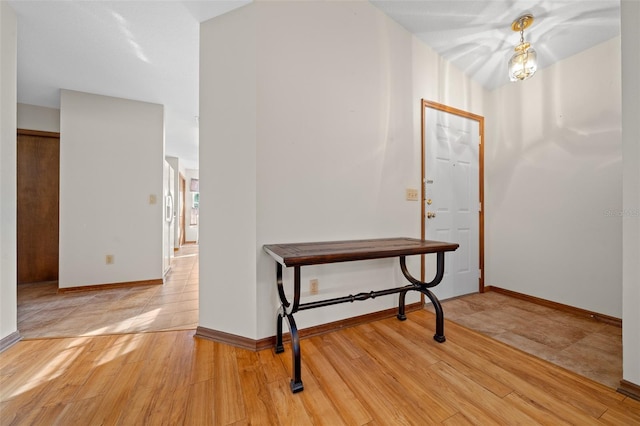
[524,63]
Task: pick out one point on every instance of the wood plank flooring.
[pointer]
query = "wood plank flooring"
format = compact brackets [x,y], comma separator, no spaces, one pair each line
[43,312]
[386,372]
[383,373]
[582,345]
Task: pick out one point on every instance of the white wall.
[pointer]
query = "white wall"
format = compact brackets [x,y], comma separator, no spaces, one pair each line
[8,271]
[307,138]
[33,117]
[334,122]
[228,173]
[554,182]
[630,13]
[111,157]
[435,79]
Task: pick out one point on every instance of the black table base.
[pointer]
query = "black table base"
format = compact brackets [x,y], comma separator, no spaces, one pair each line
[287,309]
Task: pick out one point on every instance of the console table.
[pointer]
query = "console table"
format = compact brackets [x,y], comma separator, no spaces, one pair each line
[297,255]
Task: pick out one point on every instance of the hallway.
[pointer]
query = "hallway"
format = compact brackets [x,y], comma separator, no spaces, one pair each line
[42,312]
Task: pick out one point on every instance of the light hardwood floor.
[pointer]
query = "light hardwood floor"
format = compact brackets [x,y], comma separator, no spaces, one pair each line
[382,373]
[378,373]
[43,312]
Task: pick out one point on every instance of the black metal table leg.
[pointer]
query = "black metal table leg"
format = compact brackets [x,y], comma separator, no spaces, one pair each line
[282,311]
[279,346]
[439,336]
[296,382]
[286,311]
[424,289]
[401,315]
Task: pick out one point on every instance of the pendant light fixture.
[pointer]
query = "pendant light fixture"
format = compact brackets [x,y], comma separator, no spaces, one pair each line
[524,62]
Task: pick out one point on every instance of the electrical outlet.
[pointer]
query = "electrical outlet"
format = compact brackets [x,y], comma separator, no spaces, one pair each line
[109,259]
[313,286]
[412,194]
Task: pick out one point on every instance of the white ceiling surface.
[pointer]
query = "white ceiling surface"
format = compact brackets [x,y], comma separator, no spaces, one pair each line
[476,36]
[149,50]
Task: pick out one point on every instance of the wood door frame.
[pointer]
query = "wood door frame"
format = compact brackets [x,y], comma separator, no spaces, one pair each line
[480,119]
[42,133]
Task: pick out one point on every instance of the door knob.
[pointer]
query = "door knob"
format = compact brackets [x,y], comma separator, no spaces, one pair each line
[431,215]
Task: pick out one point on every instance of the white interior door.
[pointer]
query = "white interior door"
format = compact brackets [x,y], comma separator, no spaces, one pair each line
[451,197]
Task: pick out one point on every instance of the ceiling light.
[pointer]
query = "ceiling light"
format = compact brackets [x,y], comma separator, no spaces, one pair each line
[524,63]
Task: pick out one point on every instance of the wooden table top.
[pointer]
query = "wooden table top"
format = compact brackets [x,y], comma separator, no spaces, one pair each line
[300,254]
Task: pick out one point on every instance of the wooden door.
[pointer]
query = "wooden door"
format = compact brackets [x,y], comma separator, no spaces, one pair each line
[38,175]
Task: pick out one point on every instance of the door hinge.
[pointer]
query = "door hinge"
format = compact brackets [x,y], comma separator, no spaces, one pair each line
[480,273]
[479,206]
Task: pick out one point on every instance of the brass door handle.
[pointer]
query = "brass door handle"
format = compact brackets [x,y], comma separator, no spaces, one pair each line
[431,215]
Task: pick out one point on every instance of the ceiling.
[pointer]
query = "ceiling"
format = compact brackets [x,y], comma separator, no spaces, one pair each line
[476,35]
[148,50]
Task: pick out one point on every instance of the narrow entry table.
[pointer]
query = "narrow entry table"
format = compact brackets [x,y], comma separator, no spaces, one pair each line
[302,254]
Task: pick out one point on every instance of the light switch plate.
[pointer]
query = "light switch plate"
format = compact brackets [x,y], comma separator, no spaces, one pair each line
[412,194]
